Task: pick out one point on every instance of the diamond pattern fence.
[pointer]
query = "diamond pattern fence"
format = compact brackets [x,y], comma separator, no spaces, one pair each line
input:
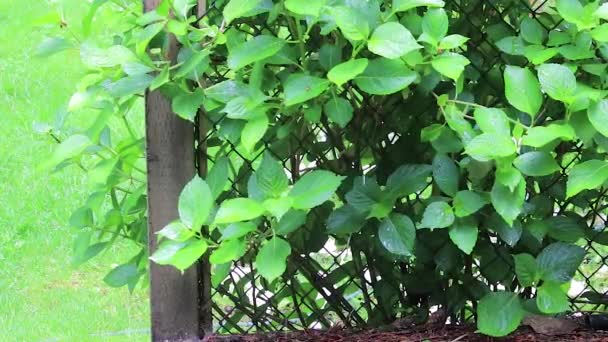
[331,281]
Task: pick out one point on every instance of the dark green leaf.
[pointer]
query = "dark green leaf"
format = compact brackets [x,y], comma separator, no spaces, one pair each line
[338,110]
[345,220]
[558,262]
[408,179]
[532,31]
[397,234]
[217,177]
[256,49]
[536,164]
[446,174]
[565,228]
[121,275]
[186,105]
[526,269]
[437,215]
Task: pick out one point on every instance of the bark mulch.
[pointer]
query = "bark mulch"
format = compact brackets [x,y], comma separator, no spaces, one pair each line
[415,334]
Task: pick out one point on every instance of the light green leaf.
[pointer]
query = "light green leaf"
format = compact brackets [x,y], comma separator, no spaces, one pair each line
[531,31]
[573,11]
[181,254]
[536,163]
[242,8]
[523,90]
[488,146]
[540,136]
[392,40]
[600,33]
[301,87]
[346,71]
[598,116]
[551,299]
[538,54]
[499,313]
[237,230]
[437,215]
[305,7]
[493,120]
[67,149]
[385,76]
[237,210]
[397,234]
[186,105]
[291,221]
[434,26]
[602,11]
[338,110]
[452,41]
[94,57]
[194,65]
[254,131]
[129,85]
[182,7]
[314,188]
[256,49]
[219,273]
[587,175]
[271,260]
[229,250]
[557,81]
[446,174]
[508,204]
[526,269]
[271,177]
[195,203]
[121,275]
[352,23]
[450,64]
[558,261]
[217,177]
[404,5]
[468,202]
[176,231]
[52,45]
[464,235]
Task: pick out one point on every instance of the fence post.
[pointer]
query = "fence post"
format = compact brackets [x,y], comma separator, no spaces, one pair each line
[174,297]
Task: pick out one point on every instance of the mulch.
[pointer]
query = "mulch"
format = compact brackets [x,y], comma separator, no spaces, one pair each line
[415,334]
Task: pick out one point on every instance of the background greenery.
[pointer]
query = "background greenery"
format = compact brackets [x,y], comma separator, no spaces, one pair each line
[41,296]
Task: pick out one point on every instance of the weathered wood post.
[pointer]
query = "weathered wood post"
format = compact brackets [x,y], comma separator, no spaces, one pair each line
[174,297]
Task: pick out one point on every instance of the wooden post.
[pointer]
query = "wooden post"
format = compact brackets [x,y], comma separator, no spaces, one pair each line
[174,297]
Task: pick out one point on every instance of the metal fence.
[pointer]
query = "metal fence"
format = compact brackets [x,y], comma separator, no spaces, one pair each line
[330,281]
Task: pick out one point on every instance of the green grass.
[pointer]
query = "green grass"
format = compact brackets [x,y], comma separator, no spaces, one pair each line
[42,297]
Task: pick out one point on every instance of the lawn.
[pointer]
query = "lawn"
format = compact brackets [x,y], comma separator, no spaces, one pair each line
[42,298]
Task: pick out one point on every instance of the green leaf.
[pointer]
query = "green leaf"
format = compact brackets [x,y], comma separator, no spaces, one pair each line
[408,179]
[237,230]
[488,146]
[558,261]
[598,116]
[397,234]
[338,110]
[254,131]
[446,174]
[565,228]
[219,273]
[242,8]
[237,210]
[129,85]
[602,12]
[52,45]
[464,235]
[511,45]
[526,269]
[450,64]
[271,260]
[229,250]
[600,33]
[551,299]
[574,12]
[345,220]
[271,177]
[194,65]
[587,175]
[385,76]
[181,254]
[176,231]
[434,26]
[308,7]
[330,55]
[531,31]
[404,5]
[186,105]
[523,90]
[291,221]
[217,177]
[301,87]
[538,54]
[493,120]
[195,203]
[314,188]
[352,23]
[468,202]
[121,275]
[452,41]
[392,40]
[557,81]
[226,91]
[183,7]
[346,71]
[437,215]
[88,19]
[499,313]
[508,204]
[540,136]
[536,164]
[256,49]
[67,149]
[94,57]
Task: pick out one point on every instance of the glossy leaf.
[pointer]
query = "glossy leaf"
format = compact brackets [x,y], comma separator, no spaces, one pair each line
[558,261]
[237,210]
[195,203]
[392,40]
[536,164]
[450,64]
[587,175]
[385,76]
[256,49]
[314,188]
[557,81]
[181,254]
[397,234]
[347,71]
[301,87]
[437,215]
[499,313]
